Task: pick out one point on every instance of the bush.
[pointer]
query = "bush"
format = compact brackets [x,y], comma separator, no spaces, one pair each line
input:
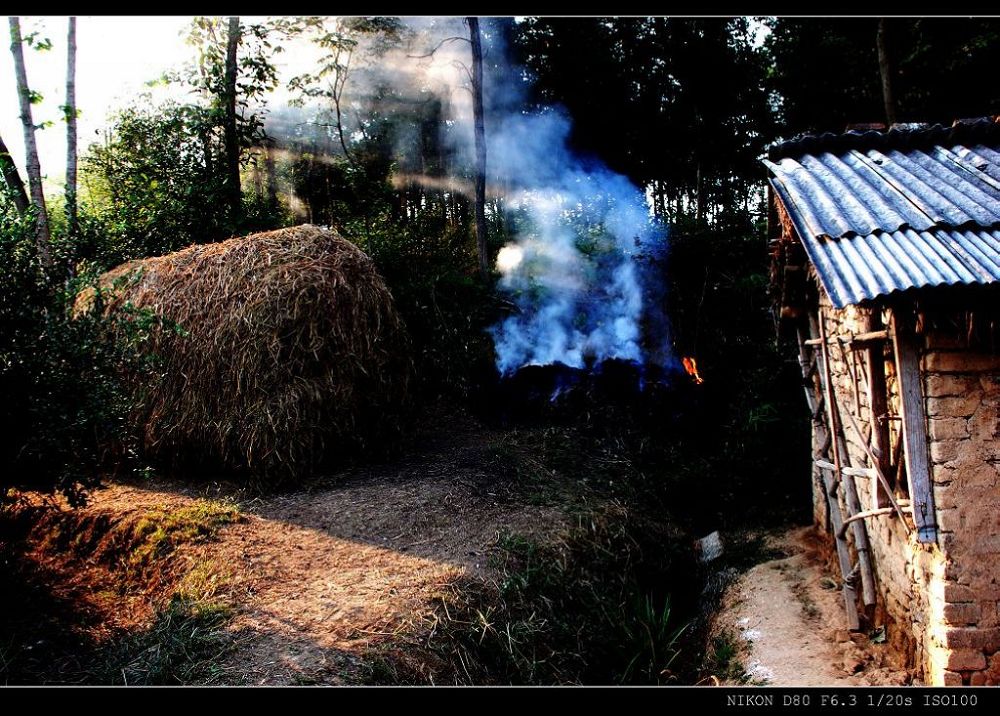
[64,399]
[155,185]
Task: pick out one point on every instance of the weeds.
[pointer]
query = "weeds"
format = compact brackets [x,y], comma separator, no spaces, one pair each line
[183,646]
[160,532]
[591,608]
[722,659]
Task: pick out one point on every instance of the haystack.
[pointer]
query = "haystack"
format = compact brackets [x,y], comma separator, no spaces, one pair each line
[291,356]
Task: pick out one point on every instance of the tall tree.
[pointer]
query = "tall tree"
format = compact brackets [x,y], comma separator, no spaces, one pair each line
[480,140]
[231,131]
[30,148]
[15,185]
[72,220]
[886,70]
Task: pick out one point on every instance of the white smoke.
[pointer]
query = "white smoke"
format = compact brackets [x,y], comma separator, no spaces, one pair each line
[583,266]
[584,244]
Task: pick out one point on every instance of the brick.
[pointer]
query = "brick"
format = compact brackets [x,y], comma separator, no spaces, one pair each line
[956,593]
[938,385]
[990,384]
[948,428]
[960,362]
[960,614]
[980,477]
[969,638]
[946,450]
[946,497]
[985,422]
[951,678]
[989,617]
[941,339]
[965,660]
[950,520]
[957,407]
[993,671]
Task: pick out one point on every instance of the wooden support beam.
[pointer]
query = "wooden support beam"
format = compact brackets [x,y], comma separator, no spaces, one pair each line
[855,340]
[911,398]
[863,340]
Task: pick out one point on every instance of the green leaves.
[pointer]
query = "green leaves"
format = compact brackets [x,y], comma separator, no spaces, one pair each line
[33,40]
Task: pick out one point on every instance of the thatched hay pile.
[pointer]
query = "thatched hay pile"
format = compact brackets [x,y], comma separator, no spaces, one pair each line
[292,355]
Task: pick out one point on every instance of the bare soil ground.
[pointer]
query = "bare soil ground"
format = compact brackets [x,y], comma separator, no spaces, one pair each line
[319,576]
[787,617]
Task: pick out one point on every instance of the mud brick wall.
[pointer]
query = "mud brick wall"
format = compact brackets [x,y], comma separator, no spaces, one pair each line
[940,603]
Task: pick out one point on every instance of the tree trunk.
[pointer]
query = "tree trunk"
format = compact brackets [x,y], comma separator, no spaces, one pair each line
[886,70]
[30,148]
[477,109]
[231,136]
[272,177]
[13,179]
[72,221]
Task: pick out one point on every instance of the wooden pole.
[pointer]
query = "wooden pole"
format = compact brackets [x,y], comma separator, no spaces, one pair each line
[836,519]
[854,471]
[850,489]
[911,399]
[814,399]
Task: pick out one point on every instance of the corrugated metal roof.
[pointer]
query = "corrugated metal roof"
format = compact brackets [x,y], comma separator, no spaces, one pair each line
[883,212]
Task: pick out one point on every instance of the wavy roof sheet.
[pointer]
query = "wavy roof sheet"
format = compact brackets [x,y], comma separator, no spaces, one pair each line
[883,212]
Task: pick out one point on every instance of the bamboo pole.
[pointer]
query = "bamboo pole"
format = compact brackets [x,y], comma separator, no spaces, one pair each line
[877,512]
[836,518]
[850,489]
[878,402]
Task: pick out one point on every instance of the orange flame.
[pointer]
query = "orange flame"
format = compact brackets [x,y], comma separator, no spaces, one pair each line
[691,366]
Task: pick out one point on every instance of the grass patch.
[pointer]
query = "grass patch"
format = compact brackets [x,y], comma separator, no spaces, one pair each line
[183,646]
[159,532]
[722,659]
[593,608]
[133,547]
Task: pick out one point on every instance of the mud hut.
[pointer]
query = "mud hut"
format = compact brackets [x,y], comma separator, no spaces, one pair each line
[279,353]
[886,263]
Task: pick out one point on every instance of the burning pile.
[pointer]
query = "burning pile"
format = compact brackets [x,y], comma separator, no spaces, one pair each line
[585,271]
[292,353]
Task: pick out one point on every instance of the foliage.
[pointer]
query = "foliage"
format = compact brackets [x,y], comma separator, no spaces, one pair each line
[65,402]
[824,74]
[256,75]
[685,96]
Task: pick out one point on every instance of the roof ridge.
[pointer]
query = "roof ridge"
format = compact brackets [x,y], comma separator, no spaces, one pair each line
[905,136]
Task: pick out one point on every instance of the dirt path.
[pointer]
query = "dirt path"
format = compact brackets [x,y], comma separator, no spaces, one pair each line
[320,575]
[787,618]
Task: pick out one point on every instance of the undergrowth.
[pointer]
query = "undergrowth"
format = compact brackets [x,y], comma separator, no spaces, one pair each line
[184,645]
[591,608]
[57,636]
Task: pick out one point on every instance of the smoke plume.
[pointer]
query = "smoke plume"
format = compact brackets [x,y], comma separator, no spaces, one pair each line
[583,265]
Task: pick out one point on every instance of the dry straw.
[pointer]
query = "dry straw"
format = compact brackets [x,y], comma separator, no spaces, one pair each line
[291,357]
